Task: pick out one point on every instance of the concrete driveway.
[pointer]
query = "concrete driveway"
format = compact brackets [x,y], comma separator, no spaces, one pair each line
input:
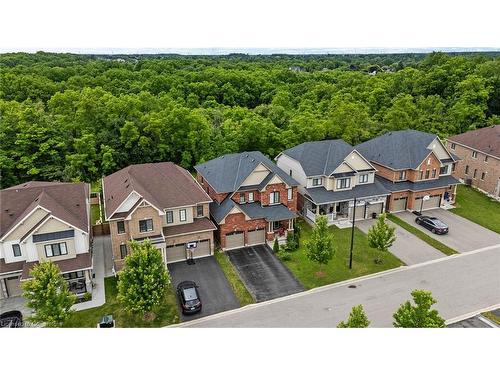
[214,289]
[407,247]
[464,235]
[263,274]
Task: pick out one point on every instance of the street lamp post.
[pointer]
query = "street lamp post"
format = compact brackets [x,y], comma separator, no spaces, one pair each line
[352,233]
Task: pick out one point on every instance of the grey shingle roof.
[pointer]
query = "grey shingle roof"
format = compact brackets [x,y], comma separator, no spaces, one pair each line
[320,195]
[398,149]
[226,173]
[219,211]
[270,213]
[320,157]
[417,186]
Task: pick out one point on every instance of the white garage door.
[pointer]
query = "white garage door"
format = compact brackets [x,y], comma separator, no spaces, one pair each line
[176,253]
[399,204]
[433,202]
[13,286]
[235,240]
[373,208]
[360,212]
[256,237]
[202,249]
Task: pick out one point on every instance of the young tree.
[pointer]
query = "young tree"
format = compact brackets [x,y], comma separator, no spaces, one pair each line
[143,282]
[48,295]
[381,236]
[320,247]
[419,315]
[357,319]
[276,246]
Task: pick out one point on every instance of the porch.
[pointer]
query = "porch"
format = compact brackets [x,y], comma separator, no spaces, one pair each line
[278,230]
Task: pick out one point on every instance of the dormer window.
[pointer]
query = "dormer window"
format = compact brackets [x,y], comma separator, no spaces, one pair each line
[363,178]
[317,182]
[242,198]
[343,183]
[402,175]
[250,197]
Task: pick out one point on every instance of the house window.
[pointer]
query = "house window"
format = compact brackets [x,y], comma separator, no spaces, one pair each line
[466,169]
[443,170]
[16,249]
[483,175]
[486,159]
[343,183]
[146,225]
[170,217]
[427,172]
[123,251]
[363,178]
[421,175]
[434,173]
[199,210]
[453,146]
[56,249]
[120,226]
[402,175]
[289,194]
[316,181]
[182,215]
[250,197]
[474,154]
[274,197]
[242,198]
[475,173]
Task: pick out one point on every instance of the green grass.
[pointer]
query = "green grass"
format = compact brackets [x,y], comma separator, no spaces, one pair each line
[477,207]
[95,186]
[424,237]
[307,272]
[166,314]
[494,318]
[94,213]
[237,285]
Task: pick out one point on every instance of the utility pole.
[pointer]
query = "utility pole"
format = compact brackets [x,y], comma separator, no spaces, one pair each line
[352,233]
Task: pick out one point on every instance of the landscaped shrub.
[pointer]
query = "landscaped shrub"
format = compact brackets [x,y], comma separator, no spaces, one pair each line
[276,246]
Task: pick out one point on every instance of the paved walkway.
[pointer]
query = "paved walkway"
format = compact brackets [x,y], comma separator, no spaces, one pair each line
[462,284]
[407,247]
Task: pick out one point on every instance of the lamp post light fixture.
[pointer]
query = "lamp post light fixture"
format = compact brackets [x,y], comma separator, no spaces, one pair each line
[352,233]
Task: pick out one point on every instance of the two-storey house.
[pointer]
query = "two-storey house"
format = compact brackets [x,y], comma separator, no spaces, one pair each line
[161,202]
[331,175]
[479,151]
[254,200]
[415,167]
[45,221]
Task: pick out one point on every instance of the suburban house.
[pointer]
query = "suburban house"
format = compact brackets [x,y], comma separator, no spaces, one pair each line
[479,151]
[45,221]
[331,174]
[415,167]
[161,202]
[253,200]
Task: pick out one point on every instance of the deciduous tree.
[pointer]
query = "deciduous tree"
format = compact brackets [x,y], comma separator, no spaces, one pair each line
[420,314]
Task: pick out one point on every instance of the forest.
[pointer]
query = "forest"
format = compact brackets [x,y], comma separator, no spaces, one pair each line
[78,117]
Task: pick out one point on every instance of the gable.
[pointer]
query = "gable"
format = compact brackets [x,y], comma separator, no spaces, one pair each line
[257,176]
[437,147]
[27,224]
[434,161]
[52,225]
[342,168]
[234,210]
[356,161]
[128,203]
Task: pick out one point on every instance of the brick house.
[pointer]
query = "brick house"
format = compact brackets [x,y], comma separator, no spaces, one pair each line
[161,202]
[45,221]
[331,174]
[479,151]
[253,200]
[415,167]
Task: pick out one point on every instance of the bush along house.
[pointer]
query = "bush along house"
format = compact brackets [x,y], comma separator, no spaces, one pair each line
[415,167]
[45,221]
[332,174]
[161,202]
[254,201]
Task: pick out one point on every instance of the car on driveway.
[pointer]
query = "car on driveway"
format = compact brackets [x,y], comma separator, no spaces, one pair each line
[433,224]
[190,301]
[11,319]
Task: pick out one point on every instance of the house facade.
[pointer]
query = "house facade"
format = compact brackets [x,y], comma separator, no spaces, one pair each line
[254,201]
[479,151]
[331,174]
[45,221]
[415,167]
[161,202]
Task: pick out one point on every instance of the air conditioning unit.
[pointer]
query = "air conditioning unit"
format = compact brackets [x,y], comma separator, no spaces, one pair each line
[468,181]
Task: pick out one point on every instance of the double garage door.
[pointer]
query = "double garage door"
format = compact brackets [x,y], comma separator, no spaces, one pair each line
[178,252]
[235,240]
[433,202]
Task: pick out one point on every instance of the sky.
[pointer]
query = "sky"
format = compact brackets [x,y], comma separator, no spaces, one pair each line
[85,25]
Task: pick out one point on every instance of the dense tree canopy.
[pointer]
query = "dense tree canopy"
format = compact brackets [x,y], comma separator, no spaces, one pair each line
[76,117]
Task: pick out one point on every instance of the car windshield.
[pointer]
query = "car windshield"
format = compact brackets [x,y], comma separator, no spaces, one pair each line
[190,294]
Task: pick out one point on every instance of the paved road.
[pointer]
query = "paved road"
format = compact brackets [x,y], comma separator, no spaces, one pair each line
[263,274]
[407,247]
[461,284]
[464,235]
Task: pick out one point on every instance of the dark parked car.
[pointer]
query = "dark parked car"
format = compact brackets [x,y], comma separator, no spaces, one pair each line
[11,319]
[187,291]
[433,224]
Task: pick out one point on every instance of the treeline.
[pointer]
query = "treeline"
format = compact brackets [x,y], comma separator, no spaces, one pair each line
[74,117]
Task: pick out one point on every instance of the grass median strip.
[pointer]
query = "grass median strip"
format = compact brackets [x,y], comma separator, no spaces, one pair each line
[237,285]
[424,237]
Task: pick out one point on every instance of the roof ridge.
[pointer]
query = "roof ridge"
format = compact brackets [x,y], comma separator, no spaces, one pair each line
[237,172]
[327,157]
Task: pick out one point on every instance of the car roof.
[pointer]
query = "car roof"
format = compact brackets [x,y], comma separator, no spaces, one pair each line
[186,284]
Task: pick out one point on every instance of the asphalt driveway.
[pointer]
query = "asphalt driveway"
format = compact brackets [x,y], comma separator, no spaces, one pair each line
[263,274]
[464,235]
[407,247]
[215,292]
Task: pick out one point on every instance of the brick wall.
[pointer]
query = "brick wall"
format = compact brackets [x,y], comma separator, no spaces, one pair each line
[434,164]
[281,187]
[237,223]
[218,197]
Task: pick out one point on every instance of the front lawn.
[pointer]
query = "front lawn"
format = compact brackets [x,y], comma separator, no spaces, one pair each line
[477,207]
[166,314]
[239,289]
[308,272]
